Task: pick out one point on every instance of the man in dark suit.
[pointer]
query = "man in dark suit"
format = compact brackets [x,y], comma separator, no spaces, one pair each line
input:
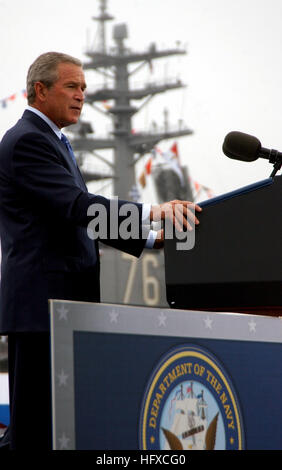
[46,250]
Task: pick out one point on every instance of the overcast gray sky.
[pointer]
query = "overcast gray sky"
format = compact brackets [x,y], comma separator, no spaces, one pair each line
[233,69]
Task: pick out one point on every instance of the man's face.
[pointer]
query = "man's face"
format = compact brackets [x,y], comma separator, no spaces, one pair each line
[64,100]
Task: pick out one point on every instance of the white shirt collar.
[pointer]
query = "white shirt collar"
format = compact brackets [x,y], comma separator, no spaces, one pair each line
[53,126]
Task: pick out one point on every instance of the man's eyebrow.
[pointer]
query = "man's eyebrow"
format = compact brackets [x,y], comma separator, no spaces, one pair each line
[76,83]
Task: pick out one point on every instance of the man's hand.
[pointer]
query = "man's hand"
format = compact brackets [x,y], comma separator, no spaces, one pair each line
[181,214]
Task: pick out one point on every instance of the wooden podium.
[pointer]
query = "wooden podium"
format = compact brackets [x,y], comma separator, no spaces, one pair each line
[235,262]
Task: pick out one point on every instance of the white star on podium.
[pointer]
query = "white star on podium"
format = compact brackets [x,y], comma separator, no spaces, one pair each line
[114,316]
[63,313]
[162,319]
[252,326]
[62,378]
[208,323]
[64,441]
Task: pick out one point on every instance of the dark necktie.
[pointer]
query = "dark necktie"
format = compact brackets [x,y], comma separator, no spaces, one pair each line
[69,147]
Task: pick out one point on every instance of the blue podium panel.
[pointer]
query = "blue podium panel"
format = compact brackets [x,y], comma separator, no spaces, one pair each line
[140,378]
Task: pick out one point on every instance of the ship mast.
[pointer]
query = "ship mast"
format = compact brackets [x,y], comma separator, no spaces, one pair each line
[116,64]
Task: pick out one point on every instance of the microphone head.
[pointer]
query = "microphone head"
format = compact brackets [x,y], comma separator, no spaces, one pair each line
[240,146]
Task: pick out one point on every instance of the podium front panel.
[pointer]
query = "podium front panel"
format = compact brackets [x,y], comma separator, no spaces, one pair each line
[235,261]
[123,376]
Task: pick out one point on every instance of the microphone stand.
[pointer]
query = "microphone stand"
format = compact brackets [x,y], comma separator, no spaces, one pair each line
[276,168]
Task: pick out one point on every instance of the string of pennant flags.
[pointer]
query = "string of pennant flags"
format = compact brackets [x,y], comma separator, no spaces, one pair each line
[4,102]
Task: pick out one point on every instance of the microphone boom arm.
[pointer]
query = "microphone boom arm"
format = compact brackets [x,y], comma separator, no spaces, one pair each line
[274,157]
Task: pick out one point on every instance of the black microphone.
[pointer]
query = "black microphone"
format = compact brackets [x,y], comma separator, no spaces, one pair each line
[241,146]
[247,148]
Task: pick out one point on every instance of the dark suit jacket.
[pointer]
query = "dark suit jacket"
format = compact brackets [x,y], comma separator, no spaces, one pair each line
[46,252]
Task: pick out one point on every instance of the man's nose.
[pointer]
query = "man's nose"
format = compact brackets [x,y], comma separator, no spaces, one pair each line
[79,95]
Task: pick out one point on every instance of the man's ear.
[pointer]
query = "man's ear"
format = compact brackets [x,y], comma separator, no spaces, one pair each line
[40,91]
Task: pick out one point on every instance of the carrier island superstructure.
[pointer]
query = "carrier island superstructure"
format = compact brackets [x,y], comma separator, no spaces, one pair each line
[126,279]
